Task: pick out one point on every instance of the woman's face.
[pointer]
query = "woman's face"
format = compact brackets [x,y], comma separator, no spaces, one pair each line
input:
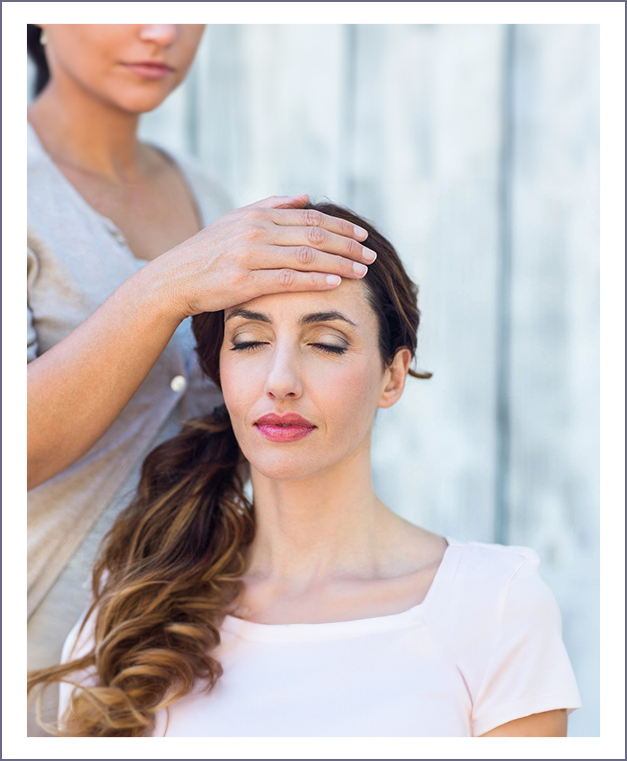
[289,372]
[93,56]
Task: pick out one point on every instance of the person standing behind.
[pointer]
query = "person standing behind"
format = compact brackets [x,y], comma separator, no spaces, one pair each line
[126,241]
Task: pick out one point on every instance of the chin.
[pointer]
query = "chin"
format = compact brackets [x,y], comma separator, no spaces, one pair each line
[285,468]
[144,102]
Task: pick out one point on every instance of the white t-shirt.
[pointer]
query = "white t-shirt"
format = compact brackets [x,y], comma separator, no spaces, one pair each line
[483,648]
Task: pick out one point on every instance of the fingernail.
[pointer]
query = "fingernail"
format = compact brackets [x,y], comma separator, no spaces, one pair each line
[359,269]
[360,232]
[369,255]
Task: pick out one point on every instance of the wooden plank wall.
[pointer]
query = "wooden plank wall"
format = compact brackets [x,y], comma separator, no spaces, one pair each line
[554,492]
[475,149]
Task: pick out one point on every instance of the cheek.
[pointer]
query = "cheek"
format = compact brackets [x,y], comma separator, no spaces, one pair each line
[343,393]
[95,61]
[79,54]
[346,402]
[189,42]
[237,386]
[94,46]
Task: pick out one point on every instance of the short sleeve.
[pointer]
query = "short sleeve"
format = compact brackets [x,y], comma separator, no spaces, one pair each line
[528,670]
[32,341]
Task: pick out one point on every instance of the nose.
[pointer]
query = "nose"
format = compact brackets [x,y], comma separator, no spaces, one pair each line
[162,34]
[283,380]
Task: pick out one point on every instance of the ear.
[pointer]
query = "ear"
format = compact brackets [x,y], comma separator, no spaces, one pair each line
[394,378]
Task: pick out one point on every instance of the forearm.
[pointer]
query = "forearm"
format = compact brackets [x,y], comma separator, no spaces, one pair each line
[79,386]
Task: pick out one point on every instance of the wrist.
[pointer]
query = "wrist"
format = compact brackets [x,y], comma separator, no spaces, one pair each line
[153,292]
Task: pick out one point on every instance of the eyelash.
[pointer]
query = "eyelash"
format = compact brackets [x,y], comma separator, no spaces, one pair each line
[247,345]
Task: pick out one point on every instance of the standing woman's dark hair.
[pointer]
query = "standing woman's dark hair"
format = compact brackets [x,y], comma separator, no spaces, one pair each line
[37,53]
[173,559]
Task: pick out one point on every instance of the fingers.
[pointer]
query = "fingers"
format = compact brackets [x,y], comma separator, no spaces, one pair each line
[286,280]
[314,218]
[279,202]
[322,240]
[307,259]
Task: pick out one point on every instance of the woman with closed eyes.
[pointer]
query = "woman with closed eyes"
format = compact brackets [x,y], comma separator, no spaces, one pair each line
[311,609]
[126,242]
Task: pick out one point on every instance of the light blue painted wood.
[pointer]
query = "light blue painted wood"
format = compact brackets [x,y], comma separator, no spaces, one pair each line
[554,498]
[426,169]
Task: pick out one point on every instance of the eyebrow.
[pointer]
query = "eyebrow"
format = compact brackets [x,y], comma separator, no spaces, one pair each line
[305,319]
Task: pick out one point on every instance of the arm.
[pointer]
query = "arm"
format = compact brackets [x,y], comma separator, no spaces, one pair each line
[545,724]
[78,387]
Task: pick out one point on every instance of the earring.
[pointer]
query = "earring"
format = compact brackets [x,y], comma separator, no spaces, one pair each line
[43,39]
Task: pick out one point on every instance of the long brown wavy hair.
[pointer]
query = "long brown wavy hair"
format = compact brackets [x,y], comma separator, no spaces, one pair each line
[170,565]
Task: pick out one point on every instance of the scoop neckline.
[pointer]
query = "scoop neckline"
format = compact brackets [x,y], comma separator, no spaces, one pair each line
[252,630]
[109,223]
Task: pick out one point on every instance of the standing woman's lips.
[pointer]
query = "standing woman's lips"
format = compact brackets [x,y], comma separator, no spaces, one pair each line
[149,69]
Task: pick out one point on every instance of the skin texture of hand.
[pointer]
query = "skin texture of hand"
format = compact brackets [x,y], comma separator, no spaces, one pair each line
[271,246]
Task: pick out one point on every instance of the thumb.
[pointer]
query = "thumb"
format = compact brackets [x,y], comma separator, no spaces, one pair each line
[280,202]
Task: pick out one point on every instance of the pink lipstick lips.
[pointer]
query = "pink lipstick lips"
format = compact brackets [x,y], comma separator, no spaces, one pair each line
[284,428]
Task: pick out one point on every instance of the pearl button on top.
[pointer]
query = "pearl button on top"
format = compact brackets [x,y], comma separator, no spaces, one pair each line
[178,383]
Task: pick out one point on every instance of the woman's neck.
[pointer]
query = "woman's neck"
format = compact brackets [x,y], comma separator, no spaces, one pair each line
[329,527]
[86,134]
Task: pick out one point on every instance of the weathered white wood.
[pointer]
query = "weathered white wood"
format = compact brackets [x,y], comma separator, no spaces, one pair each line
[277,118]
[554,498]
[221,130]
[426,161]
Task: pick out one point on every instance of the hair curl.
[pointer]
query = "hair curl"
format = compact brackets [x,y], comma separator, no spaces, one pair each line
[171,564]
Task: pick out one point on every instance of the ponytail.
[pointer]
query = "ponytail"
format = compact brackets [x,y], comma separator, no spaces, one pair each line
[174,559]
[162,584]
[38,56]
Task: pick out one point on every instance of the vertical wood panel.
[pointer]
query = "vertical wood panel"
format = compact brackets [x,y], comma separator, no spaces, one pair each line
[222,129]
[270,111]
[555,330]
[426,166]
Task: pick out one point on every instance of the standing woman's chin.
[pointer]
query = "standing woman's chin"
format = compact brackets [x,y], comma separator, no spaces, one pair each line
[133,67]
[138,96]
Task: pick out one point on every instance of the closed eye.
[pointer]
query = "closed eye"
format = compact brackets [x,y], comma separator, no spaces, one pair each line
[247,345]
